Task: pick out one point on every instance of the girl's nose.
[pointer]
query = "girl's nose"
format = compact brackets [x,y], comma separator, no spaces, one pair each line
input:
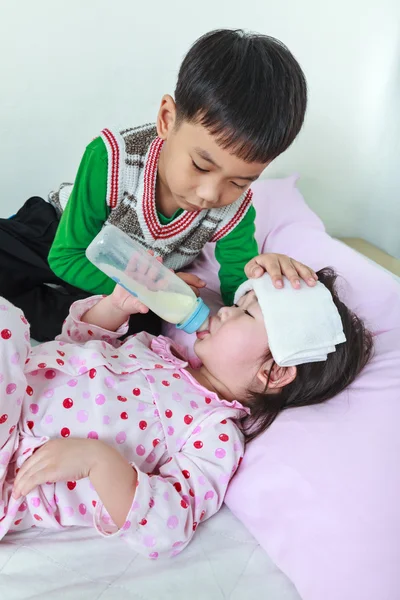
[226,312]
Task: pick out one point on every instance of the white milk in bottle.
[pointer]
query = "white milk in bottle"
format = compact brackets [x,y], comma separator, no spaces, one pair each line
[127,263]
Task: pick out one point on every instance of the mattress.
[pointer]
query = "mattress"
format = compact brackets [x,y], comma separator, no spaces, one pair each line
[223,561]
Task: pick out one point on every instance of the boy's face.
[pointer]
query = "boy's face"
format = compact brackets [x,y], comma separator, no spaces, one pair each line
[194,170]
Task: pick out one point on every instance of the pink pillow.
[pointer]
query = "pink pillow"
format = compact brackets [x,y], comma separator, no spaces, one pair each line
[320,489]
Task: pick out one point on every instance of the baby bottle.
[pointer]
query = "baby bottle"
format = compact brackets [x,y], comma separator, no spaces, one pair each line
[127,263]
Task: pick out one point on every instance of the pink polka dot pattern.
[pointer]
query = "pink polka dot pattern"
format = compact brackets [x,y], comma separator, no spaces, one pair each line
[110,382]
[140,450]
[100,399]
[10,389]
[82,416]
[149,541]
[181,440]
[172,522]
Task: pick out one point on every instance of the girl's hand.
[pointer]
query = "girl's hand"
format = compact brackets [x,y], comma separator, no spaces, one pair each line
[57,460]
[279,265]
[126,303]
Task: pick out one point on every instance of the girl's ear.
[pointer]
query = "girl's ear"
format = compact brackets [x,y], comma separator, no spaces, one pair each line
[275,377]
[166,116]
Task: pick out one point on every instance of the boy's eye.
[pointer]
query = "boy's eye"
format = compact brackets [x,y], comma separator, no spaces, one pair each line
[199,168]
[241,187]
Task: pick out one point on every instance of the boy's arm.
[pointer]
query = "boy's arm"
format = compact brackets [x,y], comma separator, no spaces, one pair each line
[83,218]
[233,253]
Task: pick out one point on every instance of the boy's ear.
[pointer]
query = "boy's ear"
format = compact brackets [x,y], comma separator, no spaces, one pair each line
[166,116]
[274,376]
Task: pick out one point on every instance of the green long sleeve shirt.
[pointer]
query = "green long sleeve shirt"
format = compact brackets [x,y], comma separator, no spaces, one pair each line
[87,211]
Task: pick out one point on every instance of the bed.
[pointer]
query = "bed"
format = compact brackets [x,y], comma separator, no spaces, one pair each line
[223,561]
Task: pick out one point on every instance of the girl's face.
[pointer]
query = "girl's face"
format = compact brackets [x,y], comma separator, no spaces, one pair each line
[233,350]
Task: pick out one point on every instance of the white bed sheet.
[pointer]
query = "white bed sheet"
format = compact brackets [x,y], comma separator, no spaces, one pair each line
[223,561]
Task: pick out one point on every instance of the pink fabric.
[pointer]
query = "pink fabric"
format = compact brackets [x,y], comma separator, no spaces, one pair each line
[137,397]
[320,489]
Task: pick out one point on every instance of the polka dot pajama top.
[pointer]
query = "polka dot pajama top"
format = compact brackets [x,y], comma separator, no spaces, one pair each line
[135,395]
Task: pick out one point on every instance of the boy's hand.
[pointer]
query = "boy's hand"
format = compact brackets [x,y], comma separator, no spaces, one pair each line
[57,460]
[193,281]
[279,265]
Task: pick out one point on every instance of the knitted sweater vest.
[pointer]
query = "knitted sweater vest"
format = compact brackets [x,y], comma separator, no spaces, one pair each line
[132,172]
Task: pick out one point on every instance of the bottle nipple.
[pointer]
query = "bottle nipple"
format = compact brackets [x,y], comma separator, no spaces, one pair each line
[205,325]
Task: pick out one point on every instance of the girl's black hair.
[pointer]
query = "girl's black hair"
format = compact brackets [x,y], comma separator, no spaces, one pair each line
[320,381]
[247,89]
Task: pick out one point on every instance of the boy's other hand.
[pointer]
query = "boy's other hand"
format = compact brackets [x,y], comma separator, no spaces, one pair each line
[278,266]
[193,281]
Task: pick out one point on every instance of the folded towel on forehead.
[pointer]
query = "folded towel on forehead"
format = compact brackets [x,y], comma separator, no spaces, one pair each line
[303,325]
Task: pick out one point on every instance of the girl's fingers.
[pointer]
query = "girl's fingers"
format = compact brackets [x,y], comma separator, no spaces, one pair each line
[28,479]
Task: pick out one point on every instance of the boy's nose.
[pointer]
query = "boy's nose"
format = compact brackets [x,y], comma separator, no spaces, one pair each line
[209,196]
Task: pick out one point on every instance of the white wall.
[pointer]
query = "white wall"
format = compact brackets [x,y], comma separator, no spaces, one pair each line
[68,68]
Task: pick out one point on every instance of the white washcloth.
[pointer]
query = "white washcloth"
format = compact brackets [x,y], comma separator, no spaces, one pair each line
[302,325]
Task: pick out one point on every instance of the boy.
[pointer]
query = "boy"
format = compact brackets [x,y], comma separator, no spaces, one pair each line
[239,103]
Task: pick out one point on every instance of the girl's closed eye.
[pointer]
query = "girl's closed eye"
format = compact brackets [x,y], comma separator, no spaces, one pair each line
[246,312]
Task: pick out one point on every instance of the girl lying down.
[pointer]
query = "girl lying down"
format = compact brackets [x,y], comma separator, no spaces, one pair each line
[125,436]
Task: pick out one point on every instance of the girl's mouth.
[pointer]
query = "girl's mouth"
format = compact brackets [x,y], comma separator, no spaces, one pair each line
[202,334]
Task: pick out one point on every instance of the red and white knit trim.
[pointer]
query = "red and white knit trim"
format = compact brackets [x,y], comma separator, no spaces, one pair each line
[230,226]
[114,168]
[157,230]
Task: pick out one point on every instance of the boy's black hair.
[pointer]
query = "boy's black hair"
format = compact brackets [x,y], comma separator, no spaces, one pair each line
[247,89]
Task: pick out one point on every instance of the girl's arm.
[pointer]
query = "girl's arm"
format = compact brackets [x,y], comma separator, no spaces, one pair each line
[100,318]
[113,478]
[158,514]
[114,310]
[189,488]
